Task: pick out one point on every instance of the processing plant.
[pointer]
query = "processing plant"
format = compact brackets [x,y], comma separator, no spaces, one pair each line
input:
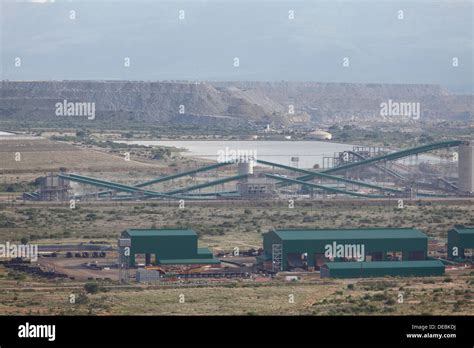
[361,173]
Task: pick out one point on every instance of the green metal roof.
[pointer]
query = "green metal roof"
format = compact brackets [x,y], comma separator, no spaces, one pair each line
[361,233]
[204,250]
[464,230]
[189,261]
[384,264]
[160,232]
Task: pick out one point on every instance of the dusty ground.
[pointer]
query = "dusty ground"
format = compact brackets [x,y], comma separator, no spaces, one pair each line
[75,267]
[39,155]
[451,294]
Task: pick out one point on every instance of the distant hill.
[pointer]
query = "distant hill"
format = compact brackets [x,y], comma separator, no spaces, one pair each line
[226,102]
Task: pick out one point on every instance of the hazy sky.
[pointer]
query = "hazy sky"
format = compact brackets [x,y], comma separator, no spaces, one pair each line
[311,47]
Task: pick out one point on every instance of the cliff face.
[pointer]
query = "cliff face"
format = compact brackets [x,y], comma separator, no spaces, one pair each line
[339,101]
[232,102]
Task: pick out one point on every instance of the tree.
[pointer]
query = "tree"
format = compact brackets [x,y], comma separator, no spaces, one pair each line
[81,133]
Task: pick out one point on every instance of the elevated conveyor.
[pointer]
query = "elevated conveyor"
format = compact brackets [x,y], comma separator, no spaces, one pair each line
[120,187]
[179,175]
[207,184]
[175,176]
[390,157]
[331,177]
[381,168]
[321,187]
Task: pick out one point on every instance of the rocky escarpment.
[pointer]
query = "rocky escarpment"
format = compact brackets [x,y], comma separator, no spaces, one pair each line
[339,101]
[226,102]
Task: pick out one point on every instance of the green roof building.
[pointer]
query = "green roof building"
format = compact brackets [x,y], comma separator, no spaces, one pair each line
[286,249]
[459,239]
[169,246]
[382,269]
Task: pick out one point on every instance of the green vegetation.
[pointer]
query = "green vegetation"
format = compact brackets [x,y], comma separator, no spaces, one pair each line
[400,135]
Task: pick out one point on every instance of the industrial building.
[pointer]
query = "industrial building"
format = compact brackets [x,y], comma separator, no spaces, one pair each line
[166,247]
[51,188]
[256,187]
[460,238]
[308,249]
[382,268]
[147,276]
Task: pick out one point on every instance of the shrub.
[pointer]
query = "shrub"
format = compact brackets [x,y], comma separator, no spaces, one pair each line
[91,288]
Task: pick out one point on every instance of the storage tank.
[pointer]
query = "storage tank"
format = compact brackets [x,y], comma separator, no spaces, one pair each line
[246,167]
[465,167]
[321,135]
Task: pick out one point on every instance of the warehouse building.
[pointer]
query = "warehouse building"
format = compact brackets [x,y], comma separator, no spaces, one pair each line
[166,247]
[310,249]
[382,268]
[460,238]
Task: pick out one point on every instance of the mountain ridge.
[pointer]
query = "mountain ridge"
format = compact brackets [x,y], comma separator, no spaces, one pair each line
[234,101]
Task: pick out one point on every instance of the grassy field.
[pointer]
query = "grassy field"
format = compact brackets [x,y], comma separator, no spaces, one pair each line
[388,296]
[232,224]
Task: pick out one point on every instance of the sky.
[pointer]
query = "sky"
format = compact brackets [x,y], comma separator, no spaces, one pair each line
[41,41]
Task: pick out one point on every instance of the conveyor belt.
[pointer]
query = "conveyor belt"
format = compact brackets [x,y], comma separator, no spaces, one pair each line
[179,175]
[325,188]
[331,177]
[207,184]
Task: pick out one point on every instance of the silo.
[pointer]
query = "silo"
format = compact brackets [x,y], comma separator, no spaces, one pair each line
[466,168]
[246,167]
